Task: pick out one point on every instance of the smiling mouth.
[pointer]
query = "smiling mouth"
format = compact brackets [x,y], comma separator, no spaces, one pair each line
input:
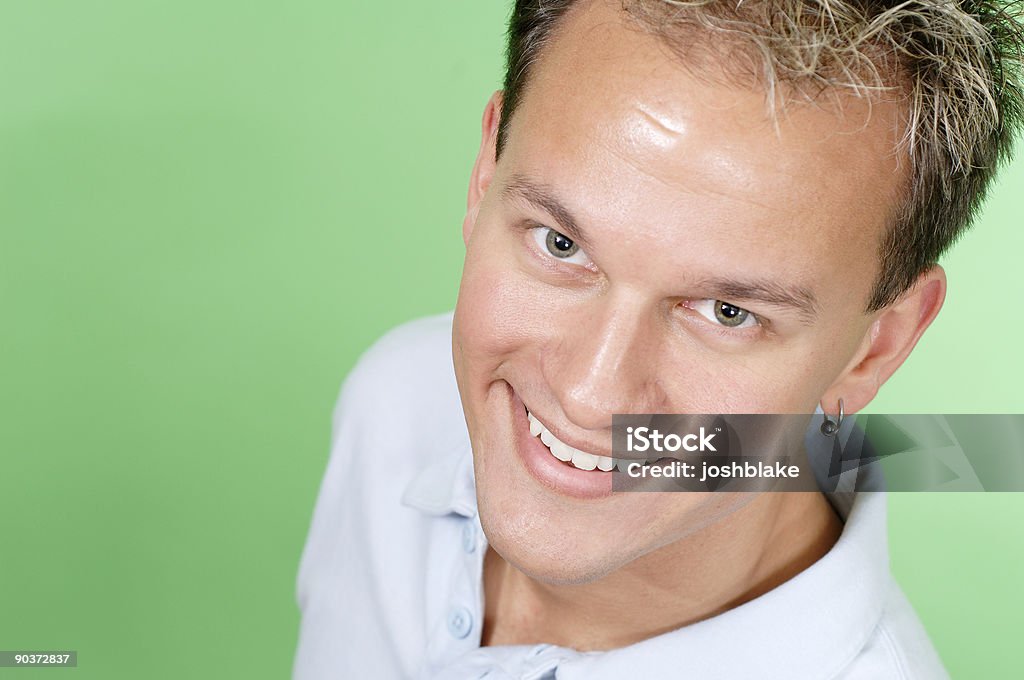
[570,455]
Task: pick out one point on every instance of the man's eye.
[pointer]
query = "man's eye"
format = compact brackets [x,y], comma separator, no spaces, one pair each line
[559,245]
[725,314]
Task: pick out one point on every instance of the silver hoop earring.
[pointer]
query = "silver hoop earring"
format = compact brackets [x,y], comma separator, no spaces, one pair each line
[829,428]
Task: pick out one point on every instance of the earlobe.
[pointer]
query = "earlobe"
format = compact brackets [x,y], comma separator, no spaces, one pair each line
[889,341]
[485,165]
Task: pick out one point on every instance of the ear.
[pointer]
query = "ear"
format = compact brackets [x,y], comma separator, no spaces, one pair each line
[889,341]
[485,165]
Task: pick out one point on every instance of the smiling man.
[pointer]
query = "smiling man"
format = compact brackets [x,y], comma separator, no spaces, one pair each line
[677,207]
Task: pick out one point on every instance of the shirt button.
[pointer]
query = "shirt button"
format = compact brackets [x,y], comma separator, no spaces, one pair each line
[468,537]
[460,622]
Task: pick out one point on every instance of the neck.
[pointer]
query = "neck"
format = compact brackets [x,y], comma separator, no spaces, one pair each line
[748,553]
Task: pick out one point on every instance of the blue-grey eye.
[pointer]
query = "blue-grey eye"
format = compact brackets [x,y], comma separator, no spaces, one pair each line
[560,245]
[730,315]
[553,244]
[723,314]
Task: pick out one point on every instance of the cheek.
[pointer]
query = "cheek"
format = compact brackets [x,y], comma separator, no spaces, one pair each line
[800,375]
[499,309]
[779,380]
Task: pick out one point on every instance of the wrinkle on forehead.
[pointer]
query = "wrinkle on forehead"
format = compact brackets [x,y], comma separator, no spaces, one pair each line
[656,128]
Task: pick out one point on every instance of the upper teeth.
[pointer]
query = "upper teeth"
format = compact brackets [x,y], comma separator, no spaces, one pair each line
[566,453]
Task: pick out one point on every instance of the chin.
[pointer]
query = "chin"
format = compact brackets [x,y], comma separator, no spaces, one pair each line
[541,538]
[549,557]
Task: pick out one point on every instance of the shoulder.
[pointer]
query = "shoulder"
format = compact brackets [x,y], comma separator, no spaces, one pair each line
[907,641]
[359,575]
[405,344]
[400,402]
[411,357]
[398,406]
[898,648]
[892,643]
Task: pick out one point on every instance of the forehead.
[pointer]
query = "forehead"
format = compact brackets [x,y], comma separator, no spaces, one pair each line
[632,137]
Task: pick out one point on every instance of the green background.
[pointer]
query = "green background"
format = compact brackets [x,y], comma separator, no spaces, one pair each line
[207,210]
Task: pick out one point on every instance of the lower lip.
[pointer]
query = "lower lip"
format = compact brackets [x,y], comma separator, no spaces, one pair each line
[548,470]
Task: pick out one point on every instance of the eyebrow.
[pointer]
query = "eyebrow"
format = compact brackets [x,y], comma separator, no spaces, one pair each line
[539,195]
[797,298]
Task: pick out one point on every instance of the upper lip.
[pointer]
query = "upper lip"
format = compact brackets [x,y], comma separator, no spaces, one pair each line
[579,444]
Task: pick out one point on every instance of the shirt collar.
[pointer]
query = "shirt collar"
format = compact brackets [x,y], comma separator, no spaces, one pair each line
[446,484]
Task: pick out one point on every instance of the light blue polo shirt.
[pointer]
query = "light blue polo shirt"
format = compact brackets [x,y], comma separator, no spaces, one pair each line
[390,580]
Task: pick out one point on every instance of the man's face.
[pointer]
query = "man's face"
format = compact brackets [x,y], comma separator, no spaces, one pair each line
[649,243]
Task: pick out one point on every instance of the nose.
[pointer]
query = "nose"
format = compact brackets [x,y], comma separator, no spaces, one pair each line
[605,361]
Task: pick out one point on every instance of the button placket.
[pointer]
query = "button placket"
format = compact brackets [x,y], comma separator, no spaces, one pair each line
[469,536]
